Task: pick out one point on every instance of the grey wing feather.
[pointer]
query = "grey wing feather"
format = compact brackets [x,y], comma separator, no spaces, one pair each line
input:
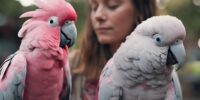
[7,61]
[107,90]
[13,80]
[67,85]
[178,91]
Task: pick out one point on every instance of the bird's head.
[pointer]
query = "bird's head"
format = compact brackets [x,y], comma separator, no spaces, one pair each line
[53,21]
[165,32]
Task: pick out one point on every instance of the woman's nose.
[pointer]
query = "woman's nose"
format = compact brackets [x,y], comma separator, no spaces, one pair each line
[100,13]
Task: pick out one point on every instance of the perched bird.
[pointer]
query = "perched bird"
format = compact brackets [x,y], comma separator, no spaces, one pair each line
[143,68]
[39,69]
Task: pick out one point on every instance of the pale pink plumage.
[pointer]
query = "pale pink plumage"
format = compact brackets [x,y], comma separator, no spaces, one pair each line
[143,66]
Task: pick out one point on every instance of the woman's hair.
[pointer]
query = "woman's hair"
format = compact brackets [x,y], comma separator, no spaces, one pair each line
[93,55]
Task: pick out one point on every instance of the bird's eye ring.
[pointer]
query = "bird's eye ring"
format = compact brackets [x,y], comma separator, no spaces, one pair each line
[157,38]
[53,21]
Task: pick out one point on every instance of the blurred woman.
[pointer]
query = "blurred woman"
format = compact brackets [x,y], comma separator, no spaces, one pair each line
[107,25]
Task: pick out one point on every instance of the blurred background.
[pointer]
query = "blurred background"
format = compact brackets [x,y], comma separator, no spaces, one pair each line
[186,10]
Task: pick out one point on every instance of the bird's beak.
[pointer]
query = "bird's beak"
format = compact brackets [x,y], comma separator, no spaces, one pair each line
[176,55]
[68,34]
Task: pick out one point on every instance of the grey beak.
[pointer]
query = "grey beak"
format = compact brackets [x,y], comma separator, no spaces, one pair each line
[176,55]
[68,34]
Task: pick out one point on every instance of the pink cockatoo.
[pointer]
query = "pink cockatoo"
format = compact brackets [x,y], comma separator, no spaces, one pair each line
[143,66]
[39,69]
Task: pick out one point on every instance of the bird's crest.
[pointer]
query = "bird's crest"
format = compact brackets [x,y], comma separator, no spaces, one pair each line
[47,8]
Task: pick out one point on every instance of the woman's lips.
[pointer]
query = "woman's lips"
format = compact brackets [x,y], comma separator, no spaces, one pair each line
[102,30]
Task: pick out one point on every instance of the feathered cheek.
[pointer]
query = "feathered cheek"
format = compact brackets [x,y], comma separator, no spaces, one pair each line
[56,41]
[52,40]
[55,36]
[163,55]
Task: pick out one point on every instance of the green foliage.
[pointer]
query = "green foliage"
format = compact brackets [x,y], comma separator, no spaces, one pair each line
[81,8]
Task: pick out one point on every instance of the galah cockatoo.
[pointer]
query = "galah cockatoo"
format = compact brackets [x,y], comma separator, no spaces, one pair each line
[143,66]
[39,69]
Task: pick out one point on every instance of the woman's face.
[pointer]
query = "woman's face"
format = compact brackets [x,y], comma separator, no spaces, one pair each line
[112,20]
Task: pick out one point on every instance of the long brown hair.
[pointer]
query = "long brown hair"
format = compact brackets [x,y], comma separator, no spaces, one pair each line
[93,55]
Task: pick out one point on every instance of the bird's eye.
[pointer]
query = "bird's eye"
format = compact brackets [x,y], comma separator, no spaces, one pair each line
[66,22]
[158,39]
[53,21]
[177,41]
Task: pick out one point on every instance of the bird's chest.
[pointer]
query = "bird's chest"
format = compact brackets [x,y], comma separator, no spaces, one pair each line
[44,83]
[144,93]
[140,87]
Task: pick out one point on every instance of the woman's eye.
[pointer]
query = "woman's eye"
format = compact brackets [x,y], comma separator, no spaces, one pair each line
[113,6]
[53,21]
[94,8]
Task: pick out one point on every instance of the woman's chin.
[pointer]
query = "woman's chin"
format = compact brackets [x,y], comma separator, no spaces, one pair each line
[108,41]
[104,41]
